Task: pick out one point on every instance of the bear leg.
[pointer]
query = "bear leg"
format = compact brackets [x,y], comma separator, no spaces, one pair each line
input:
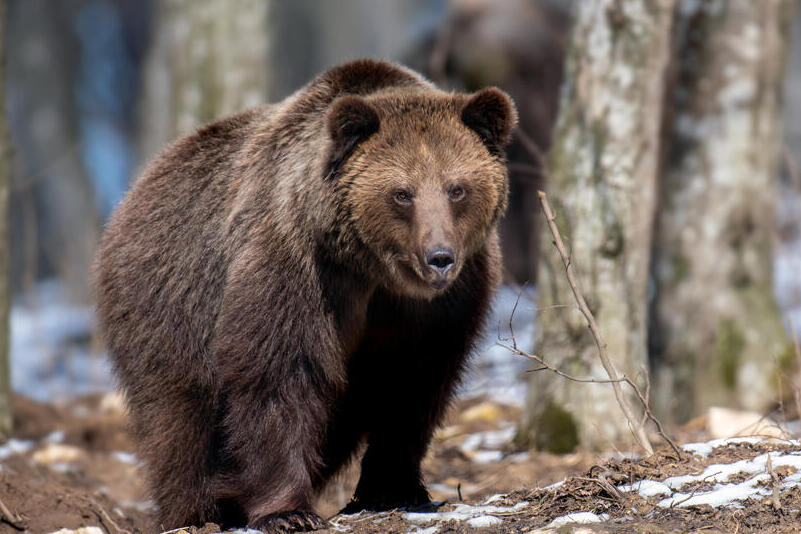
[174,441]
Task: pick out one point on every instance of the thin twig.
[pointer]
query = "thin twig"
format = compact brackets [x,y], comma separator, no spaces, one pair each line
[625,406]
[694,491]
[605,484]
[511,316]
[643,398]
[548,367]
[105,518]
[7,516]
[777,505]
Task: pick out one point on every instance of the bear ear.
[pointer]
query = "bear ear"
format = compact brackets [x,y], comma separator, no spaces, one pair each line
[492,115]
[350,121]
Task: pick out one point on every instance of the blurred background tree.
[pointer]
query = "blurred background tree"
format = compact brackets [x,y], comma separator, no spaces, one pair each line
[5,242]
[206,59]
[717,333]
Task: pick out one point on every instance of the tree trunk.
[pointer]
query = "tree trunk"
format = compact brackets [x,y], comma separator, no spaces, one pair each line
[602,183]
[56,224]
[5,185]
[209,58]
[717,335]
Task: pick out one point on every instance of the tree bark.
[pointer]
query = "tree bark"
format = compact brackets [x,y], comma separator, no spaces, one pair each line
[5,186]
[209,58]
[602,182]
[717,335]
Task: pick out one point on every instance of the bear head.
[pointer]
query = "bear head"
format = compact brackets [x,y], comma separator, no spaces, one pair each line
[421,179]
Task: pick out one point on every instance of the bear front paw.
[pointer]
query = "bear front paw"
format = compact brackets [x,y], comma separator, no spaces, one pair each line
[296,521]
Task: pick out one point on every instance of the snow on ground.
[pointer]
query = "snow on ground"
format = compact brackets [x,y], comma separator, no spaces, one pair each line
[50,347]
[496,372]
[724,484]
[465,512]
[580,518]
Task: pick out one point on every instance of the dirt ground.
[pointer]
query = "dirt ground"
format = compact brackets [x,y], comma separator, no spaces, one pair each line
[70,466]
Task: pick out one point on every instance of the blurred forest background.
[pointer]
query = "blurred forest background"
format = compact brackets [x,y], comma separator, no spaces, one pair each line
[676,135]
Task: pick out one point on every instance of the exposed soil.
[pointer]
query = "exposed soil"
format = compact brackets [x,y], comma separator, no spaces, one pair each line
[70,466]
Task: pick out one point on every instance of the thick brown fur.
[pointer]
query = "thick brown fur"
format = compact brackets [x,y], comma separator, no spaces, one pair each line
[270,301]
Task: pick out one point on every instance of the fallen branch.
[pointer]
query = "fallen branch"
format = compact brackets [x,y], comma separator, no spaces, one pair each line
[7,516]
[105,519]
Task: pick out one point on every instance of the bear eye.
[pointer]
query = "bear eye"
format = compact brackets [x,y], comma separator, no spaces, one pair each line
[456,193]
[403,197]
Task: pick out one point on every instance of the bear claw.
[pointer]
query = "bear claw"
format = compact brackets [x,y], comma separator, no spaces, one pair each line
[290,522]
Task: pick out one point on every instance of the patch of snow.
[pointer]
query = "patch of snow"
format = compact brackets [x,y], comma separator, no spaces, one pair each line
[722,472]
[62,467]
[496,372]
[703,449]
[15,446]
[582,518]
[491,439]
[50,346]
[722,493]
[493,498]
[487,457]
[555,485]
[125,457]
[428,530]
[647,488]
[519,457]
[57,436]
[484,521]
[461,512]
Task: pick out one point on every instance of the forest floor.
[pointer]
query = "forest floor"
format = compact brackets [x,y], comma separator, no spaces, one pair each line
[70,466]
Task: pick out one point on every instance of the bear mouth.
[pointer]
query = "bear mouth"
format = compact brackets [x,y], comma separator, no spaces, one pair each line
[426,282]
[438,281]
[440,284]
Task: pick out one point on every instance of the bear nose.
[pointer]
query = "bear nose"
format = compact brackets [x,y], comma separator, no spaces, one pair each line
[440,259]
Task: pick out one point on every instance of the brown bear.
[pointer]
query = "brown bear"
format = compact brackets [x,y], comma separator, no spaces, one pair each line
[287,284]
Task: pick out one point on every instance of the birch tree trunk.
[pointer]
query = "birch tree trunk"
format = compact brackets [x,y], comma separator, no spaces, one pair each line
[209,58]
[717,334]
[5,296]
[602,184]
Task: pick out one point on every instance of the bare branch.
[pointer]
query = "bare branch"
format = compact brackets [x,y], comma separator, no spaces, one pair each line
[548,367]
[637,429]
